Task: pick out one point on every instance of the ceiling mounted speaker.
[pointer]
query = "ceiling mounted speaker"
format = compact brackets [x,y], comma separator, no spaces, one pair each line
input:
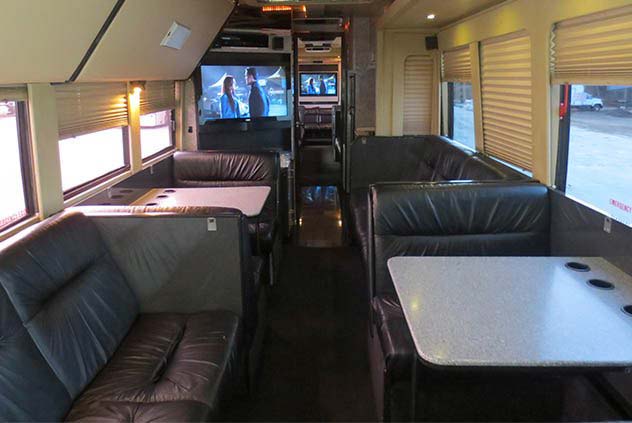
[176,36]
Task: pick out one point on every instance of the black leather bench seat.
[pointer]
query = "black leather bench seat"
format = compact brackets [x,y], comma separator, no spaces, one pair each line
[235,169]
[173,362]
[442,219]
[427,158]
[73,344]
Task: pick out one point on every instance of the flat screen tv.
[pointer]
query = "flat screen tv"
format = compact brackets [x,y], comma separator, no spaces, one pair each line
[242,92]
[323,84]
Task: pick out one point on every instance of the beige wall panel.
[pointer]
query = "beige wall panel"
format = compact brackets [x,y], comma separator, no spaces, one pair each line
[394,47]
[131,50]
[44,40]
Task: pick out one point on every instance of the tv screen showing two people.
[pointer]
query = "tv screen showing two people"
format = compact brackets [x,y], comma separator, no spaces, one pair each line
[239,92]
[319,84]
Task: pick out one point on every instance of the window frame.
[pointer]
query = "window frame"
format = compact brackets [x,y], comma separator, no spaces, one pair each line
[88,185]
[25,147]
[450,114]
[564,137]
[450,110]
[563,150]
[172,137]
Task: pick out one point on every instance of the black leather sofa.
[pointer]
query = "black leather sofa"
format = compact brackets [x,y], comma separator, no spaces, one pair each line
[439,219]
[233,169]
[427,158]
[74,346]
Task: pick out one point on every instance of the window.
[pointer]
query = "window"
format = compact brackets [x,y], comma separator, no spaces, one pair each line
[461,110]
[87,159]
[156,133]
[93,134]
[599,148]
[15,169]
[456,71]
[591,59]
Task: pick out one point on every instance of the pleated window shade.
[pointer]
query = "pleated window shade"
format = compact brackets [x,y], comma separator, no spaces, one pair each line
[13,93]
[594,49]
[86,108]
[457,65]
[158,96]
[418,75]
[506,99]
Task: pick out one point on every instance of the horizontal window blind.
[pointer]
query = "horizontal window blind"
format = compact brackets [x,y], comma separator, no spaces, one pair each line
[86,108]
[158,96]
[506,97]
[595,49]
[457,65]
[13,93]
[418,74]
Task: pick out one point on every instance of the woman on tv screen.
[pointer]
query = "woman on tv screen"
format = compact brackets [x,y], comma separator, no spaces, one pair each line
[229,106]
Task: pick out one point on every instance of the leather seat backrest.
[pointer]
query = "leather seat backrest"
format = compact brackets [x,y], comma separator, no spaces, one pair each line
[70,295]
[454,219]
[447,159]
[29,390]
[384,159]
[202,168]
[228,169]
[508,173]
[475,169]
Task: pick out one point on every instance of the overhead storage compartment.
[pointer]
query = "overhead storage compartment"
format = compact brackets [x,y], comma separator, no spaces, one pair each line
[44,41]
[131,50]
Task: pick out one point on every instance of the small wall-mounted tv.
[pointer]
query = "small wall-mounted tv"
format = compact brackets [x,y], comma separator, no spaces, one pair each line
[322,84]
[242,92]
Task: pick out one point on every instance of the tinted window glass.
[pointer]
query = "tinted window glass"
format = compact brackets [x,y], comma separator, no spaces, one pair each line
[600,149]
[86,158]
[13,204]
[155,133]
[463,114]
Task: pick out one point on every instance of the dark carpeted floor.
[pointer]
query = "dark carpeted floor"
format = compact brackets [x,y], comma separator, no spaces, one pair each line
[315,364]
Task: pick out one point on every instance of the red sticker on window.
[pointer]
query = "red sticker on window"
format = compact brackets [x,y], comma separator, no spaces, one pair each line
[618,204]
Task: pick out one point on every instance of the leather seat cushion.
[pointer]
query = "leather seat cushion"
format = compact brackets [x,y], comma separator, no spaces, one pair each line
[395,339]
[169,367]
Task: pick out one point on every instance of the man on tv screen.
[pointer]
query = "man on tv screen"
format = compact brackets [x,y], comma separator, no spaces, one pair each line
[323,86]
[258,100]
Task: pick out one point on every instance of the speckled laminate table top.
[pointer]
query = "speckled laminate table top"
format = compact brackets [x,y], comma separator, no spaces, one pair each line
[515,311]
[249,200]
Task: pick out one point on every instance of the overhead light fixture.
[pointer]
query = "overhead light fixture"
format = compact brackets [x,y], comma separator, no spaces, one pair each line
[431,16]
[283,8]
[278,8]
[137,86]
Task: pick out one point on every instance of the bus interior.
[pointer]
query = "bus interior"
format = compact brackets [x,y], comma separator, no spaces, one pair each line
[317,210]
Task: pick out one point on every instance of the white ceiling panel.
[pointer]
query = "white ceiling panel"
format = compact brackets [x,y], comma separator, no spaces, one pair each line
[412,13]
[131,50]
[44,40]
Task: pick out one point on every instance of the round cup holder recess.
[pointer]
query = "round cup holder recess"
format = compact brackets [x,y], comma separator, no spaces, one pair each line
[578,267]
[151,204]
[627,309]
[163,196]
[169,191]
[601,284]
[116,197]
